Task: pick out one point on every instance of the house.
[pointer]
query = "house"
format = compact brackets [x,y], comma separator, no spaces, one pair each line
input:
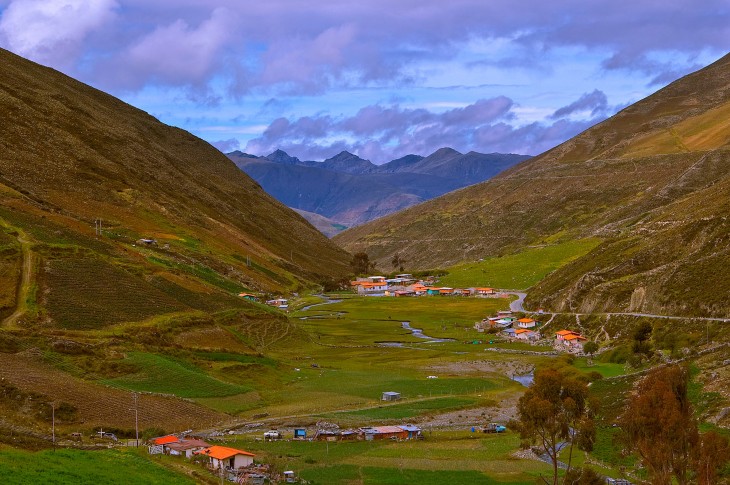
[384,433]
[186,447]
[300,433]
[281,303]
[509,332]
[433,291]
[483,291]
[504,313]
[376,279]
[504,322]
[570,339]
[248,296]
[327,435]
[369,287]
[159,445]
[414,432]
[526,323]
[224,457]
[405,293]
[446,291]
[526,334]
[390,396]
[419,289]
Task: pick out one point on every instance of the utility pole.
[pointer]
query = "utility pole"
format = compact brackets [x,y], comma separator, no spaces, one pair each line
[136,420]
[53,425]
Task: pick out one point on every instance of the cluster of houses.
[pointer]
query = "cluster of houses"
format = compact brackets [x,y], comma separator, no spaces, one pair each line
[399,432]
[407,285]
[511,326]
[234,464]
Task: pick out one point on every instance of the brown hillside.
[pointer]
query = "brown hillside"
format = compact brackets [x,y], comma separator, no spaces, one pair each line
[72,154]
[652,181]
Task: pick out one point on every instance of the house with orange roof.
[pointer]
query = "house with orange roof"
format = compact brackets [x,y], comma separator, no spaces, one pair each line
[483,291]
[225,457]
[526,323]
[446,291]
[526,334]
[368,287]
[570,339]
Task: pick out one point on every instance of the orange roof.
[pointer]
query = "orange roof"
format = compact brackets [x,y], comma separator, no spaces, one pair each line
[522,330]
[565,332]
[246,294]
[526,320]
[223,452]
[573,337]
[163,440]
[484,289]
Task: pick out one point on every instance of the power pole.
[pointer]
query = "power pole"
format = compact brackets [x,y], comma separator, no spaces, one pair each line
[136,420]
[53,425]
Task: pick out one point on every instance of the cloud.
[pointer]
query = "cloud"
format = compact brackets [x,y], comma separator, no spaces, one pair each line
[53,31]
[227,146]
[595,102]
[382,133]
[175,54]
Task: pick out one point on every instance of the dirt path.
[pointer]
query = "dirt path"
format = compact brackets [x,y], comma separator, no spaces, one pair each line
[26,277]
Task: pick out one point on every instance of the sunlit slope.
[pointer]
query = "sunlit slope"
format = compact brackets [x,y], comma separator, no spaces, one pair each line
[650,181]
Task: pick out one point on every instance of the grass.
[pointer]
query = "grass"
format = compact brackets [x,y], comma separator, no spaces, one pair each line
[443,457]
[408,409]
[68,466]
[518,271]
[168,376]
[606,369]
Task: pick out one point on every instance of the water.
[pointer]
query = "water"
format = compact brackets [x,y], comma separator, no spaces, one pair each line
[525,380]
[417,332]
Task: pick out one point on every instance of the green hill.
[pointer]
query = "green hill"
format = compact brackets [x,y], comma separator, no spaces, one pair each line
[652,182]
[122,240]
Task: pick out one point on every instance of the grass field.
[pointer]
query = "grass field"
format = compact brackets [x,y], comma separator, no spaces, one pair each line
[518,271]
[75,467]
[169,376]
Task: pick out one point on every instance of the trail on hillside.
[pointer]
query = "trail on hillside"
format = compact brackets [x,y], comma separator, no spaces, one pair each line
[26,275]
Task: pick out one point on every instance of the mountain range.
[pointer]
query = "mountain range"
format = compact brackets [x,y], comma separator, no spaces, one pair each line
[652,183]
[346,190]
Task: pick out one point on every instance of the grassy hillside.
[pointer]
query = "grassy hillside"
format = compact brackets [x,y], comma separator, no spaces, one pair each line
[89,311]
[652,182]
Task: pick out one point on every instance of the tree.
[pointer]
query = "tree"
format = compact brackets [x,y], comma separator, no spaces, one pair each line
[641,335]
[590,348]
[361,264]
[398,262]
[556,410]
[583,476]
[710,456]
[659,426]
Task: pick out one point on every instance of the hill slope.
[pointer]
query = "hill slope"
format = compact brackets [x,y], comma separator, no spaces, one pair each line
[123,245]
[653,182]
[350,191]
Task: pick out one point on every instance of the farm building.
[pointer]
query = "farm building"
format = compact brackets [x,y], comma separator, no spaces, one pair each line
[482,291]
[369,287]
[526,334]
[279,303]
[414,432]
[248,296]
[224,457]
[390,396]
[186,447]
[526,323]
[570,339]
[384,433]
[300,433]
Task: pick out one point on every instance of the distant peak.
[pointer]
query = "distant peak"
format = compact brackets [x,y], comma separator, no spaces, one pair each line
[344,155]
[280,156]
[446,151]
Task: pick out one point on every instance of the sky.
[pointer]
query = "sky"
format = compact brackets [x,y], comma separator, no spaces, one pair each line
[379,78]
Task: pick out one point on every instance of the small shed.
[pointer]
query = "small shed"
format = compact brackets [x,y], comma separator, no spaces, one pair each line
[414,432]
[390,396]
[300,433]
[384,433]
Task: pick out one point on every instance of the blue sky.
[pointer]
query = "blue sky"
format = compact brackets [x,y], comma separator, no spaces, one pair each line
[381,78]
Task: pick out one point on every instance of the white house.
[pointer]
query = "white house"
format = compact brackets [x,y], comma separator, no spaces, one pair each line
[222,456]
[526,323]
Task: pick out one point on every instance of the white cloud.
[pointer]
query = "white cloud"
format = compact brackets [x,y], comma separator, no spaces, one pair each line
[52,31]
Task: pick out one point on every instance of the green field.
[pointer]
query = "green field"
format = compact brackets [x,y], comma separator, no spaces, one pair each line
[74,467]
[167,376]
[518,271]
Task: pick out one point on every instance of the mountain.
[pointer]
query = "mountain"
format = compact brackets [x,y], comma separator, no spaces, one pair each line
[124,244]
[652,182]
[348,190]
[74,155]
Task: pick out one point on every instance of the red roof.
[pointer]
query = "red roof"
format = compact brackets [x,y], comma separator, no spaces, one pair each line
[565,332]
[525,320]
[223,452]
[163,440]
